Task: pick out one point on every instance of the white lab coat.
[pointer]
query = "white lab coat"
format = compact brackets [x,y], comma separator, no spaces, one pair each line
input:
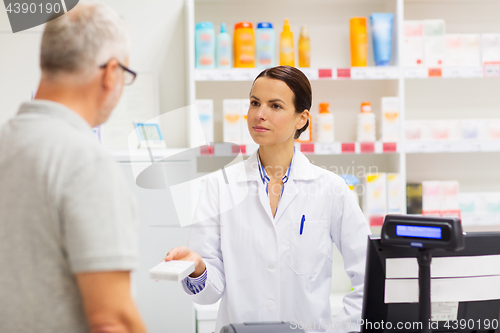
[262,267]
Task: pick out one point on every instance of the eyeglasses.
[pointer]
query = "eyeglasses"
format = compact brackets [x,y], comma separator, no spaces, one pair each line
[129,74]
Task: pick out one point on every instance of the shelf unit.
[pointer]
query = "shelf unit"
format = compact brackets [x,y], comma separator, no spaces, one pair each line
[333,80]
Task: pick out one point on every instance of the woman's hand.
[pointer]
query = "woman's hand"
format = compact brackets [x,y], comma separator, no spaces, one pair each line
[185,254]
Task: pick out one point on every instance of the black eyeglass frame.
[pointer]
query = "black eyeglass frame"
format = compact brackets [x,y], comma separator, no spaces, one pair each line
[134,74]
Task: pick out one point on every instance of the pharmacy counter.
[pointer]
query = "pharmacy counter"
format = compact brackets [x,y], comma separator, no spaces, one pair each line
[206,315]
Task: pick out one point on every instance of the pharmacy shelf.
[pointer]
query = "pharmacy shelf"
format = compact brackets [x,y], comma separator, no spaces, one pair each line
[357,73]
[313,74]
[333,148]
[146,155]
[471,146]
[488,70]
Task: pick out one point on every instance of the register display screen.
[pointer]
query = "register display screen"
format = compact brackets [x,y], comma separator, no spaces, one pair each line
[419,232]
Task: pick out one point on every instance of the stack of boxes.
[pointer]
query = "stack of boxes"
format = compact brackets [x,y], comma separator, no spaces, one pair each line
[425,43]
[382,196]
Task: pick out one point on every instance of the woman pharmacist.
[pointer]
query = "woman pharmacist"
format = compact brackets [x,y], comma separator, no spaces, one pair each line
[269,257]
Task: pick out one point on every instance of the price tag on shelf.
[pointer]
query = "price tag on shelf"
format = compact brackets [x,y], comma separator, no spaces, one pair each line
[451,72]
[325,73]
[332,148]
[490,146]
[435,72]
[474,146]
[206,150]
[244,74]
[389,147]
[343,73]
[307,148]
[492,69]
[362,73]
[204,75]
[236,149]
[415,73]
[225,75]
[311,73]
[449,147]
[419,147]
[367,147]
[348,147]
[471,72]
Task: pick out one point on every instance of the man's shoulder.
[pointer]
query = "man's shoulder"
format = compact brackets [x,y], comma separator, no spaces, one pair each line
[54,139]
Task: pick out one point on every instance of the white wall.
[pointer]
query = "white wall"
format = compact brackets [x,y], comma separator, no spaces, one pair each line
[157,32]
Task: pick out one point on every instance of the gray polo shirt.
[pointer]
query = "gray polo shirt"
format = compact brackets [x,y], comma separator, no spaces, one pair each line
[64,208]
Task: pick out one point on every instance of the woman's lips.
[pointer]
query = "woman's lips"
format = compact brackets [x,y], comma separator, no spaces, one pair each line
[260,129]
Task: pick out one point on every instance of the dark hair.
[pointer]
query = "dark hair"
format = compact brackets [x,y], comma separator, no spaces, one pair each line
[298,83]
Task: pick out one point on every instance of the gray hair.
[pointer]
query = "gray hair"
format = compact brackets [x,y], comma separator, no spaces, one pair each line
[84,39]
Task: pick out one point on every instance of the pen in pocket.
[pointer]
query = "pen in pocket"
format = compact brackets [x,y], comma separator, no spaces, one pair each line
[302,223]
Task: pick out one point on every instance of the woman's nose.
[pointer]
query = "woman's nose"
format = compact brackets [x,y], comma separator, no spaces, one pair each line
[261,113]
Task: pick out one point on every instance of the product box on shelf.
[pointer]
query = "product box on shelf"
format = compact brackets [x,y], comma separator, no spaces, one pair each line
[471,50]
[494,129]
[440,198]
[490,47]
[434,42]
[449,199]
[431,198]
[414,198]
[413,43]
[375,198]
[205,110]
[245,133]
[444,130]
[453,50]
[480,208]
[390,119]
[473,129]
[232,119]
[416,130]
[394,204]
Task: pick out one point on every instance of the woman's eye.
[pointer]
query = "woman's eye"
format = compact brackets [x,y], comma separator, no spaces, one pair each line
[276,106]
[254,103]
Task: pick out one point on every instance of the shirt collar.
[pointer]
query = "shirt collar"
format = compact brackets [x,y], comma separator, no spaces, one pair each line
[56,110]
[301,168]
[263,174]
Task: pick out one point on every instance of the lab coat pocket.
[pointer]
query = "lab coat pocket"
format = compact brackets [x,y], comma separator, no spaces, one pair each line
[308,251]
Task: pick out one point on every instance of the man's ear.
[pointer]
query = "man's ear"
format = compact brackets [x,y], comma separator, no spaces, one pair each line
[304,116]
[110,76]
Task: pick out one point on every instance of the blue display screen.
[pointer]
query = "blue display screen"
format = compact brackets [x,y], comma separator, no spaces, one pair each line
[420,232]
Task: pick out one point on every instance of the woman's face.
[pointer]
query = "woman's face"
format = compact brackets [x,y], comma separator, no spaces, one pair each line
[271,117]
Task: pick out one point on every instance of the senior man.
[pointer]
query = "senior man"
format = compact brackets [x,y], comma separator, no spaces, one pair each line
[67,219]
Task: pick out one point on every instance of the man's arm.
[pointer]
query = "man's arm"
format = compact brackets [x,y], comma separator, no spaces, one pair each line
[108,305]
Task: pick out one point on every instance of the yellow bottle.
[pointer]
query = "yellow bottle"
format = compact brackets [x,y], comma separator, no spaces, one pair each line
[287,53]
[304,48]
[359,41]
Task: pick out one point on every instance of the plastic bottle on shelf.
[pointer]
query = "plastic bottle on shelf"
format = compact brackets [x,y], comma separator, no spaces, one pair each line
[265,42]
[244,45]
[323,124]
[287,52]
[359,41]
[366,123]
[223,48]
[204,45]
[304,48]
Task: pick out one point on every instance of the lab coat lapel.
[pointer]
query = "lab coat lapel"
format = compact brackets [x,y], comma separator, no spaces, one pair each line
[289,194]
[302,170]
[252,174]
[266,205]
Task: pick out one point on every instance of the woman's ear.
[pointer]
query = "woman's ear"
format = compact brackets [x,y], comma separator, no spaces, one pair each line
[304,116]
